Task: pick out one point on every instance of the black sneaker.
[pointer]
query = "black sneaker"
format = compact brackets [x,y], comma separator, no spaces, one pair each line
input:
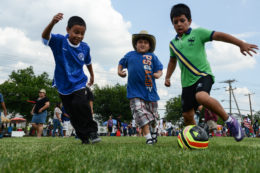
[85,141]
[149,141]
[154,137]
[94,138]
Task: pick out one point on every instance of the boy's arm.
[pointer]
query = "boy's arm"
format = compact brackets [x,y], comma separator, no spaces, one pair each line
[120,71]
[47,31]
[4,108]
[90,70]
[244,47]
[170,69]
[157,74]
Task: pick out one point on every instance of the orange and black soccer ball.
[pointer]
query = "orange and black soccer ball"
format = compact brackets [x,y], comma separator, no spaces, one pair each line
[193,137]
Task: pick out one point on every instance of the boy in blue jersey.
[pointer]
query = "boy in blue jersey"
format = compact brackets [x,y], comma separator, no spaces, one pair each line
[143,68]
[70,55]
[188,47]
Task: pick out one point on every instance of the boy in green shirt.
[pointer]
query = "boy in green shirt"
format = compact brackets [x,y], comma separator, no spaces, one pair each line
[188,47]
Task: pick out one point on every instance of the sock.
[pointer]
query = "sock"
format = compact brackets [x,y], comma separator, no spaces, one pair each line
[148,136]
[228,120]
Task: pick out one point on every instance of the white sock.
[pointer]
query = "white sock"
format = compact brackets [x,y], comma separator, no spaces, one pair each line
[153,130]
[148,136]
[228,120]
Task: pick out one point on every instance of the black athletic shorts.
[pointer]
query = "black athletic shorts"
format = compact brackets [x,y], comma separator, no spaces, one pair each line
[188,100]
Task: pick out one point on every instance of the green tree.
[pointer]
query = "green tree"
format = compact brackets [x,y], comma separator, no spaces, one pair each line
[173,109]
[257,115]
[24,85]
[111,100]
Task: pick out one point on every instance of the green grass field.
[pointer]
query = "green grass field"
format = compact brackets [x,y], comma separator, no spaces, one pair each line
[127,154]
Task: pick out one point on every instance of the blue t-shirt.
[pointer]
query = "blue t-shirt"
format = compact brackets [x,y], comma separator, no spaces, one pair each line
[69,59]
[64,118]
[141,83]
[1,98]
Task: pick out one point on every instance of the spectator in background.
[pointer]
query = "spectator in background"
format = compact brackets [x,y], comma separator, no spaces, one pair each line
[256,128]
[247,124]
[5,112]
[119,123]
[65,121]
[211,119]
[57,120]
[109,125]
[130,129]
[39,112]
[125,128]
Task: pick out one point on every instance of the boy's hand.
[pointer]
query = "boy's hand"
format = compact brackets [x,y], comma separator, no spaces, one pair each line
[157,75]
[247,48]
[91,81]
[122,73]
[167,82]
[57,18]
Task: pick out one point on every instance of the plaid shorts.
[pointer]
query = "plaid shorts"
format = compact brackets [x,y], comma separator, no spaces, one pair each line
[143,112]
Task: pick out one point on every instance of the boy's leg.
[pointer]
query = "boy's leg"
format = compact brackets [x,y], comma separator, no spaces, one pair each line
[147,134]
[76,104]
[189,117]
[213,105]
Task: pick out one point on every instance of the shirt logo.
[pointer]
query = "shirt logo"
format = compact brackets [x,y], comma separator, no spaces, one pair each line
[191,41]
[64,49]
[147,62]
[81,56]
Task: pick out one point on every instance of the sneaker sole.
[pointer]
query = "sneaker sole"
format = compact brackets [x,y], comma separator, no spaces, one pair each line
[96,140]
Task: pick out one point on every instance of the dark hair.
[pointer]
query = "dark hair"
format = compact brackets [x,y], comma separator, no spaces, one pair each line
[180,9]
[75,20]
[58,104]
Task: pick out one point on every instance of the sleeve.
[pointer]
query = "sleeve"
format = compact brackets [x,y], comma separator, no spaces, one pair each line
[205,35]
[124,61]
[55,41]
[157,64]
[88,57]
[172,54]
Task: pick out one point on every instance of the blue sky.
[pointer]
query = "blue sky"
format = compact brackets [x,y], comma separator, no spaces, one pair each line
[110,24]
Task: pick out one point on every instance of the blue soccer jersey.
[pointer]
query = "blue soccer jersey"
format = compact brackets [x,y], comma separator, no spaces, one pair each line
[69,59]
[141,83]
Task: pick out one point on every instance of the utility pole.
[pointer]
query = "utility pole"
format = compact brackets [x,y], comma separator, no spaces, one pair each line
[251,111]
[230,90]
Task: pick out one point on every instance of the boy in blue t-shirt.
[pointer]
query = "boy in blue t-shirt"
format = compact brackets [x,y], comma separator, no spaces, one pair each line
[143,68]
[188,47]
[70,55]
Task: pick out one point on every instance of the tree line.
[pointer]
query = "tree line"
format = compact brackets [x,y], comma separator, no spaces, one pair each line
[23,86]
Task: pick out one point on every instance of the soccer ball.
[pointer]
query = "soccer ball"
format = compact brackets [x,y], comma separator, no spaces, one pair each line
[193,137]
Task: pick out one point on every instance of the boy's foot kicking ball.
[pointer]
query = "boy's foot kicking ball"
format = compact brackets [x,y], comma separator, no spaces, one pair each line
[235,129]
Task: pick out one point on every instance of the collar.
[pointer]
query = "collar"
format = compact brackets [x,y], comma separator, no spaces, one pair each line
[72,45]
[187,33]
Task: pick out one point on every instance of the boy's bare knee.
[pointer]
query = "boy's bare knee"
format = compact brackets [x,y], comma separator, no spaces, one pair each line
[202,97]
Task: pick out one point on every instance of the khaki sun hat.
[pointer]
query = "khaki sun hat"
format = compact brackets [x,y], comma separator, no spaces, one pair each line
[42,91]
[144,34]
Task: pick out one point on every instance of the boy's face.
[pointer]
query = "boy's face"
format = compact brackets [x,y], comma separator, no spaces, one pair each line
[142,46]
[76,34]
[181,24]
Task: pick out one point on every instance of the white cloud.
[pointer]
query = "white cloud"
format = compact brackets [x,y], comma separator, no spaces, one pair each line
[227,57]
[22,25]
